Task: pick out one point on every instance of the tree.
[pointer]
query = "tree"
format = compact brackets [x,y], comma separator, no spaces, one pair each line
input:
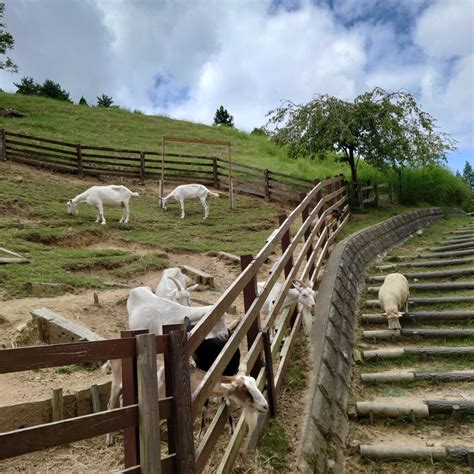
[260,131]
[383,128]
[468,174]
[6,43]
[104,101]
[222,117]
[53,90]
[83,101]
[27,86]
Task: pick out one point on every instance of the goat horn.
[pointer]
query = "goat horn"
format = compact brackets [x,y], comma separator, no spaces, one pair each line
[233,325]
[176,282]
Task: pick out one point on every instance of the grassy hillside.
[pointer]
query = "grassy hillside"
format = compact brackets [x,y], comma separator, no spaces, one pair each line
[120,128]
[76,251]
[113,127]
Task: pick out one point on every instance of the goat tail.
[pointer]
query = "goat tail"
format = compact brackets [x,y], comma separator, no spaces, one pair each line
[214,194]
[134,194]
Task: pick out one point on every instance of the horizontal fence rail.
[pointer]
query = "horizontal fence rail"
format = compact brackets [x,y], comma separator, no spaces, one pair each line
[86,160]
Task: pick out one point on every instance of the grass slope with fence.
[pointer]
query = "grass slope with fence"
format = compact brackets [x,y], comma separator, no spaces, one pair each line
[119,128]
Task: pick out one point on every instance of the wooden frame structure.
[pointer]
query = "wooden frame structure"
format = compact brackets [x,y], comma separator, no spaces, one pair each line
[195,141]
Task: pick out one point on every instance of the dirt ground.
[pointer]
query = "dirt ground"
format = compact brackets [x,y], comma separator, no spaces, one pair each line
[107,319]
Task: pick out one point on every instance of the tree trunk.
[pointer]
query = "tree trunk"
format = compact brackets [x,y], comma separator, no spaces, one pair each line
[352,165]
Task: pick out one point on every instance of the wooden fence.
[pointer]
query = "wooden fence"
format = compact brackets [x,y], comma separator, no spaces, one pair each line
[140,415]
[365,193]
[304,241]
[84,160]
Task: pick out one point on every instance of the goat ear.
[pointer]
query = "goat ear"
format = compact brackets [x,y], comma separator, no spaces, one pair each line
[171,294]
[193,287]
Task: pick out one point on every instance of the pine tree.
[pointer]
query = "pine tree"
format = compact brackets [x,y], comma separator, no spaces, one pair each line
[27,86]
[83,101]
[223,117]
[104,101]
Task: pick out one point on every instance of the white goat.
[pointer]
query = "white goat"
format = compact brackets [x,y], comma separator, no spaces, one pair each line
[148,311]
[393,295]
[189,191]
[172,286]
[300,293]
[239,389]
[98,196]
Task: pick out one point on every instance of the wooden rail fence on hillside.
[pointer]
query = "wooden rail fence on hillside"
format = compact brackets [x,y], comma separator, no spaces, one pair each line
[304,248]
[84,160]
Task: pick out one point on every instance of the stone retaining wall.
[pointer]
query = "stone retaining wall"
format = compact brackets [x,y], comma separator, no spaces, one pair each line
[326,423]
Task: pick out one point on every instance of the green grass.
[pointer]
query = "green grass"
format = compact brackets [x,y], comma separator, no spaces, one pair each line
[273,448]
[34,222]
[119,128]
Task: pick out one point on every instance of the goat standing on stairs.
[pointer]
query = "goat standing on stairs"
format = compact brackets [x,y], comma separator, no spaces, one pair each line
[189,191]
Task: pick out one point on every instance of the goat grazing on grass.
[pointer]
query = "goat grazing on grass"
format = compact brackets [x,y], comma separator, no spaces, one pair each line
[173,286]
[189,191]
[393,295]
[100,196]
[300,293]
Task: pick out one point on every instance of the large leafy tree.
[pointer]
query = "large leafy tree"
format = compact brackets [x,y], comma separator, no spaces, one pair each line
[222,117]
[6,44]
[384,128]
[27,86]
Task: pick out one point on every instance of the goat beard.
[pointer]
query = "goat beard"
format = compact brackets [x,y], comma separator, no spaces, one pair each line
[251,417]
[307,319]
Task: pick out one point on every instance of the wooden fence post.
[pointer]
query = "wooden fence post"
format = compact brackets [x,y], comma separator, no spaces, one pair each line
[95,398]
[272,396]
[285,243]
[178,385]
[328,190]
[376,194]
[250,293]
[3,144]
[80,171]
[130,397]
[57,412]
[266,184]
[142,167]
[148,411]
[215,175]
[304,217]
[392,197]
[360,195]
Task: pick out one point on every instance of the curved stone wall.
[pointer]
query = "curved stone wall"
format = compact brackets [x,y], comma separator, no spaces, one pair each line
[332,333]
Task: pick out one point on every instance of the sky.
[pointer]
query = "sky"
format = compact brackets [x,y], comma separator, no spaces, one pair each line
[185,58]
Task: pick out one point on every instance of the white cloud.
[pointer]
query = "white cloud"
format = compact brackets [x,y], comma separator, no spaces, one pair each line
[185,58]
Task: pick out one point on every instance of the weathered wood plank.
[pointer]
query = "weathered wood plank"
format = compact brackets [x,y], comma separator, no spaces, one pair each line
[45,436]
[54,328]
[421,316]
[198,275]
[465,285]
[429,275]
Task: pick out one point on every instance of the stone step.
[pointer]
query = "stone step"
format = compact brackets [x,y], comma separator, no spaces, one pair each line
[436,274]
[456,253]
[428,316]
[415,409]
[424,352]
[428,301]
[394,334]
[385,452]
[407,376]
[462,240]
[465,285]
[425,263]
[465,245]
